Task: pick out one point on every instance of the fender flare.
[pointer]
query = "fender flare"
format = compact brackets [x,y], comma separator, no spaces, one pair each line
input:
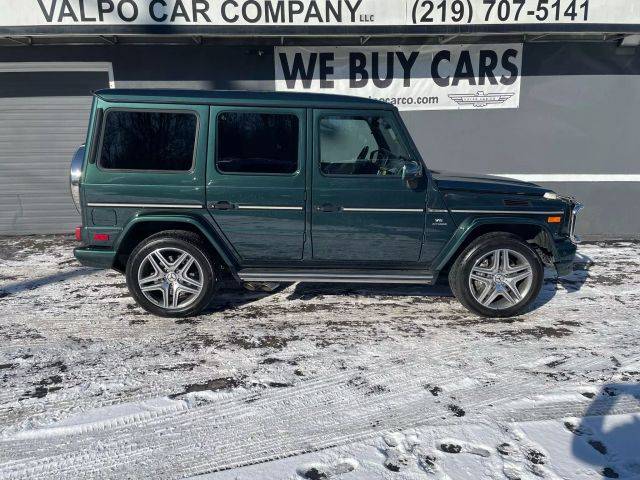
[469,225]
[193,221]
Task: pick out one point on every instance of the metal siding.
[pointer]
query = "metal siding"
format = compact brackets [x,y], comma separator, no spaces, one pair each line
[38,136]
[578,114]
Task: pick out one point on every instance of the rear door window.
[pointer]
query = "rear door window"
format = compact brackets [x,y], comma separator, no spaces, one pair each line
[257,143]
[148,140]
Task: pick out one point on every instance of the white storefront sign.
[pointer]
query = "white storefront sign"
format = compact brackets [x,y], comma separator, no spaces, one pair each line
[427,77]
[425,13]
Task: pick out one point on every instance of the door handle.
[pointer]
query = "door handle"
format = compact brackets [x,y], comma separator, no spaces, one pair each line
[222,205]
[328,208]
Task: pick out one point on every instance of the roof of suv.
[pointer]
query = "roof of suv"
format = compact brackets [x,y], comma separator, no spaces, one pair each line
[240,97]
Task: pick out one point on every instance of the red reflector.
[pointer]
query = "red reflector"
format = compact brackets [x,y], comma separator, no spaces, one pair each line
[101,237]
[78,233]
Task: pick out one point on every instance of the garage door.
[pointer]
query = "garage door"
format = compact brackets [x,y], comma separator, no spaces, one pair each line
[43,119]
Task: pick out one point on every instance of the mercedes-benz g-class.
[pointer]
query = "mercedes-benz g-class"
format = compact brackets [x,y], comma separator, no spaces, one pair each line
[177,189]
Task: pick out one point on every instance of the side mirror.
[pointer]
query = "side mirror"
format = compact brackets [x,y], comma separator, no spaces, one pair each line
[412,171]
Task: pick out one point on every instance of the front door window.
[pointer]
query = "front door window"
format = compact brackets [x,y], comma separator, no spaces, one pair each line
[360,145]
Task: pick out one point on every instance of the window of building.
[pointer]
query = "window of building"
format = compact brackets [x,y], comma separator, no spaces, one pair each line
[260,143]
[148,140]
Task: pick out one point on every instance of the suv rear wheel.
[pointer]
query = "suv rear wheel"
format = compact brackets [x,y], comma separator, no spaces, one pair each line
[170,274]
[497,275]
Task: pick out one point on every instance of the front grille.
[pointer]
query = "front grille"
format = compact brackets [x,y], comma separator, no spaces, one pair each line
[511,202]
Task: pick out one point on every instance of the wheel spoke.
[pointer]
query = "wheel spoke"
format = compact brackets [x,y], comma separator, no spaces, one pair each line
[165,296]
[483,271]
[494,264]
[518,268]
[176,296]
[175,265]
[187,289]
[185,268]
[482,296]
[509,298]
[154,264]
[480,278]
[504,260]
[515,278]
[491,298]
[156,285]
[190,282]
[154,277]
[517,296]
[495,261]
[159,261]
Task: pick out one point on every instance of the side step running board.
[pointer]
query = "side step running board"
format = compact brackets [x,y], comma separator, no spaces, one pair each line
[336,276]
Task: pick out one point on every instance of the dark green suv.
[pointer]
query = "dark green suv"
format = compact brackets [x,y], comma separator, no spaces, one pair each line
[179,188]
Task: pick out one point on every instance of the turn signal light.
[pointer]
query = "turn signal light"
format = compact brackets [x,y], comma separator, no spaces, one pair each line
[101,237]
[554,219]
[78,233]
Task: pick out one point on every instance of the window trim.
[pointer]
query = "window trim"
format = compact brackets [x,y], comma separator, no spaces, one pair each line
[256,174]
[384,115]
[108,110]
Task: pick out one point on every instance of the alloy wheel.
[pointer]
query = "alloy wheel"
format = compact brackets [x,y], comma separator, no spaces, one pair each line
[170,278]
[500,279]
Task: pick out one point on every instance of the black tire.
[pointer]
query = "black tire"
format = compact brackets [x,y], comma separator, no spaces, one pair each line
[187,242]
[479,248]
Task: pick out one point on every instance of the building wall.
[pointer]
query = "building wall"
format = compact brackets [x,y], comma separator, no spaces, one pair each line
[579,110]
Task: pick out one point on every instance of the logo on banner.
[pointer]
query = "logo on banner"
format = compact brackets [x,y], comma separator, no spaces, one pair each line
[480,99]
[426,77]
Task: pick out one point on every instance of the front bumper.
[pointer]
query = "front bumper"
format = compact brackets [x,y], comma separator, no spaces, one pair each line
[566,247]
[95,257]
[565,256]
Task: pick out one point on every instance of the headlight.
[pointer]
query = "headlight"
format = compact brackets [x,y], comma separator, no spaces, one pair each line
[551,196]
[74,177]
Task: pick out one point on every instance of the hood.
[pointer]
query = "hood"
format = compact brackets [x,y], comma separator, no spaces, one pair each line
[485,184]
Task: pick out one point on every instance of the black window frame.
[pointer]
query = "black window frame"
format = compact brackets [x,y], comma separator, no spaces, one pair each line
[390,118]
[263,112]
[103,127]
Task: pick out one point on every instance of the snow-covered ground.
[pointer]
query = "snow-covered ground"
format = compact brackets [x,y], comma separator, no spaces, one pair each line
[343,382]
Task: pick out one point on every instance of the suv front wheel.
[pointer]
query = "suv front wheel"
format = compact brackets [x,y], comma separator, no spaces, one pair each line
[170,274]
[497,275]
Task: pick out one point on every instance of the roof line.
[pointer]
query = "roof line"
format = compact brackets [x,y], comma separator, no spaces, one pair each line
[175,95]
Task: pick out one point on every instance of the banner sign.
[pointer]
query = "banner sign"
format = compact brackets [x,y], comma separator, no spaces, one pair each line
[426,13]
[427,77]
